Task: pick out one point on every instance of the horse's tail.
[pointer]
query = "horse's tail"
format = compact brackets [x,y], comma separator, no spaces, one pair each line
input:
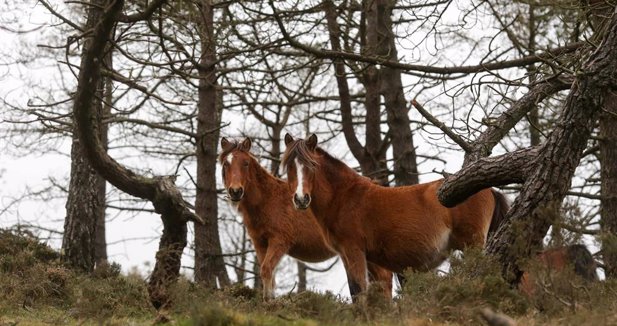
[583,262]
[499,213]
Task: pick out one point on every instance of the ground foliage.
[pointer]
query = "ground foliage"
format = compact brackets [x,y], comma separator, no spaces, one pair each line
[35,289]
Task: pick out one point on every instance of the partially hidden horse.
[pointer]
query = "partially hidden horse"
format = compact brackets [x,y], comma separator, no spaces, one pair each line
[575,258]
[274,226]
[394,227]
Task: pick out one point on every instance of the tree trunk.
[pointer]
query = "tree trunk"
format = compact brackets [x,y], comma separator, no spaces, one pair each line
[301,277]
[257,283]
[100,237]
[534,114]
[397,111]
[83,242]
[161,191]
[545,171]
[84,206]
[608,154]
[374,161]
[275,152]
[549,174]
[209,263]
[371,157]
[608,175]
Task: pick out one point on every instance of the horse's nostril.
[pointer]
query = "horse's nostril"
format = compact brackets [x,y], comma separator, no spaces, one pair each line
[235,192]
[302,202]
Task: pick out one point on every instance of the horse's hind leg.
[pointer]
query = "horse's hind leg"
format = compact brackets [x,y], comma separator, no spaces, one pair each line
[401,279]
[382,277]
[274,253]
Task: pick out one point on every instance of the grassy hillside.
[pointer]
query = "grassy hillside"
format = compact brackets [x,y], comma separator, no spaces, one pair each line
[36,290]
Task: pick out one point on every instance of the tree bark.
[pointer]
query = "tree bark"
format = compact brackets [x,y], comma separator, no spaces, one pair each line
[608,175]
[100,237]
[209,263]
[257,283]
[301,277]
[161,191]
[84,206]
[608,154]
[83,242]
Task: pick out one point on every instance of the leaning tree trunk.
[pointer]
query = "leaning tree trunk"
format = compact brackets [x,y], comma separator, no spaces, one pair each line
[84,226]
[209,263]
[608,155]
[100,237]
[161,191]
[546,171]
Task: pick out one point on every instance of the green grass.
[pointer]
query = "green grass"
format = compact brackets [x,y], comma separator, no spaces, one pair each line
[35,289]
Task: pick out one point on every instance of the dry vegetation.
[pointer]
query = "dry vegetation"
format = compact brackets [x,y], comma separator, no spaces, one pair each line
[36,290]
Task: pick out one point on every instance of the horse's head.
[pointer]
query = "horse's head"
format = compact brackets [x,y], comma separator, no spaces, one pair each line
[236,160]
[300,162]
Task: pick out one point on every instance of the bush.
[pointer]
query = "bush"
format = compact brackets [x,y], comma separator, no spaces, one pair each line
[473,282]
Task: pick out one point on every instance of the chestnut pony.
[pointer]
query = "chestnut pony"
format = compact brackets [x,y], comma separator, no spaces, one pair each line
[274,226]
[393,227]
[573,257]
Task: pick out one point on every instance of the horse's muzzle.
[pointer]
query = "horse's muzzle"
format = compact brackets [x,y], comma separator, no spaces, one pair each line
[302,202]
[235,194]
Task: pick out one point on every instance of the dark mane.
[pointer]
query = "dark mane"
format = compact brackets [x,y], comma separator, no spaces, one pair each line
[298,150]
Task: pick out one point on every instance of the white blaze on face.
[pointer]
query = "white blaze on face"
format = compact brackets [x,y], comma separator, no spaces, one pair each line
[230,157]
[299,169]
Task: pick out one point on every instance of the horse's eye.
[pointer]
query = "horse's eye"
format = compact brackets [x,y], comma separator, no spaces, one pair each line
[246,164]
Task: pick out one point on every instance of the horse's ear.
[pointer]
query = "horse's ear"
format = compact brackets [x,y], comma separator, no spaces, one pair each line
[246,144]
[288,139]
[311,142]
[225,144]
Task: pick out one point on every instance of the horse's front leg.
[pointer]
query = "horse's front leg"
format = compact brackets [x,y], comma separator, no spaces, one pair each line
[274,253]
[354,260]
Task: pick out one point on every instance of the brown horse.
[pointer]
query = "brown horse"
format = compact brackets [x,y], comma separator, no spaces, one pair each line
[574,257]
[274,226]
[393,227]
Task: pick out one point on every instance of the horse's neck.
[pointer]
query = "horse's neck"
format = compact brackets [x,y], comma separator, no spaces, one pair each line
[334,184]
[259,192]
